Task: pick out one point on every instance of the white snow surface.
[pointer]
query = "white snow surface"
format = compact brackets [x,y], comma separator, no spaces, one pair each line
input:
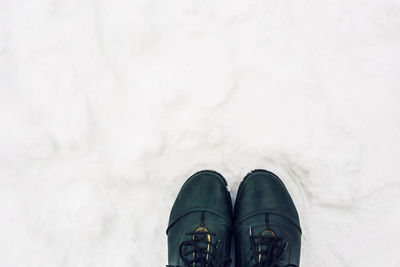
[107,107]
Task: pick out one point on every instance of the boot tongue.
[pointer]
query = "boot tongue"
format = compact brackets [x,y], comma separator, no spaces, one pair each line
[202,232]
[266,235]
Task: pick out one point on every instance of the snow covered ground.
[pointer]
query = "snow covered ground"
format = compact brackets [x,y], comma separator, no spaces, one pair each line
[106,107]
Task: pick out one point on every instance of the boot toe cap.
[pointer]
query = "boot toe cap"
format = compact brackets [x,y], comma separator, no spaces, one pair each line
[203,191]
[262,191]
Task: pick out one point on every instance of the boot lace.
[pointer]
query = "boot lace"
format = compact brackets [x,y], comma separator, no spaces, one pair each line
[267,251]
[199,251]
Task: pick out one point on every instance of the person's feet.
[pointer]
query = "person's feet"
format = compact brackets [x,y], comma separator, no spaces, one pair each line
[200,225]
[267,228]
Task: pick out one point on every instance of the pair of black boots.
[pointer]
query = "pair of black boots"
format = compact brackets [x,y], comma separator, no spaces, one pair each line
[264,222]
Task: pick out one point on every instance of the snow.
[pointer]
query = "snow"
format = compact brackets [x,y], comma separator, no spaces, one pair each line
[107,107]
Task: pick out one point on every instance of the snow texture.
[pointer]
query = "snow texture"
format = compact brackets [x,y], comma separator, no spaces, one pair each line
[107,107]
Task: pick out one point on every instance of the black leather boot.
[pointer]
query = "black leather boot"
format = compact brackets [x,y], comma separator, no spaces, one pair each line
[200,224]
[267,228]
